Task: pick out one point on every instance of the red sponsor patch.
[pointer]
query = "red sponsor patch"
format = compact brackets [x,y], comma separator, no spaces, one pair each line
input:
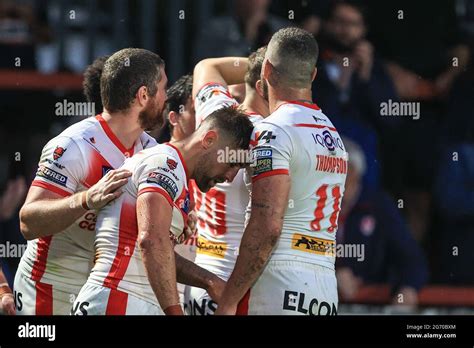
[58,152]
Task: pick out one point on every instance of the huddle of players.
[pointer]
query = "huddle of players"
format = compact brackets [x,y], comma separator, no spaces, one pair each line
[108,204]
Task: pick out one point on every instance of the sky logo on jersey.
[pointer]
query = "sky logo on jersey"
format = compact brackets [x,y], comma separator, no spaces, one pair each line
[52,175]
[165,182]
[58,152]
[313,245]
[172,164]
[184,203]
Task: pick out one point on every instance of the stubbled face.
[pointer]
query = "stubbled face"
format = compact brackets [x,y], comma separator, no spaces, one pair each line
[152,115]
[212,170]
[345,29]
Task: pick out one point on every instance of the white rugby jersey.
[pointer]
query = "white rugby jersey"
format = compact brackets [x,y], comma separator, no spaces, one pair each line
[72,162]
[118,263]
[220,211]
[299,140]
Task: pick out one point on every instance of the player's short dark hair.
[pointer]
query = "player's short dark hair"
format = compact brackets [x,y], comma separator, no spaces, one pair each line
[234,123]
[177,95]
[255,66]
[91,82]
[294,53]
[124,73]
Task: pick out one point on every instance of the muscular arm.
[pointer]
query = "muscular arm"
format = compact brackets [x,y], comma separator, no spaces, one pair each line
[46,213]
[154,215]
[189,273]
[269,202]
[225,71]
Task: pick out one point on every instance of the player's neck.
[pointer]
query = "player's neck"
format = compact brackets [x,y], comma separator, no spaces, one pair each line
[125,127]
[277,97]
[253,103]
[188,152]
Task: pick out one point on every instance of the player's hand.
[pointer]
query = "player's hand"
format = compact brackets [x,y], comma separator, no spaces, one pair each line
[216,288]
[191,226]
[107,189]
[7,304]
[226,310]
[347,283]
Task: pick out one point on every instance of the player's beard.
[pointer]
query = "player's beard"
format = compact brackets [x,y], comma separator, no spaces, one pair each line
[151,117]
[203,181]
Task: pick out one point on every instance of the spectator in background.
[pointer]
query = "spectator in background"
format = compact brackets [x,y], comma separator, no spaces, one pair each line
[454,189]
[352,82]
[249,27]
[179,115]
[21,28]
[391,255]
[426,53]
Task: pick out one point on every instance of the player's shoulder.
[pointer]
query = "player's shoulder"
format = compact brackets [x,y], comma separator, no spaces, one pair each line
[162,156]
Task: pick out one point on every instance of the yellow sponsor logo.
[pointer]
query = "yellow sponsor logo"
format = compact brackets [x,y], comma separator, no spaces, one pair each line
[313,245]
[207,247]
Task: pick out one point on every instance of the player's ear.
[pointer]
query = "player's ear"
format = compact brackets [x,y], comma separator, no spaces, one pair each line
[173,117]
[259,88]
[209,139]
[266,67]
[313,75]
[142,96]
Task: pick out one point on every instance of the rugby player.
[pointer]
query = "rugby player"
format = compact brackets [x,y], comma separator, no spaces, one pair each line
[136,270]
[76,177]
[221,211]
[286,259]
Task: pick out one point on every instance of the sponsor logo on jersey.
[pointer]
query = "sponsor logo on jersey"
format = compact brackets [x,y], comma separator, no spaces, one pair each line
[183,203]
[58,152]
[172,164]
[263,160]
[331,164]
[165,182]
[52,175]
[54,163]
[298,302]
[265,135]
[328,141]
[313,245]
[216,249]
[318,119]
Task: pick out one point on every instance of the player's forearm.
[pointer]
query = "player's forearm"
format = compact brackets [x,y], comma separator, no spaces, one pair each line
[189,273]
[48,217]
[158,258]
[255,250]
[231,69]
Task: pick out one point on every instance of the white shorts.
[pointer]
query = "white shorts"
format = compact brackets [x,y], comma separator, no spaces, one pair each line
[99,300]
[198,302]
[37,298]
[292,288]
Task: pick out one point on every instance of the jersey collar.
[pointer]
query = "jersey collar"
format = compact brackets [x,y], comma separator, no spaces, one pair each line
[110,134]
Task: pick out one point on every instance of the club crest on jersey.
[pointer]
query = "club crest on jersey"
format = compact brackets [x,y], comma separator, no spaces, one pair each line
[106,169]
[58,152]
[172,164]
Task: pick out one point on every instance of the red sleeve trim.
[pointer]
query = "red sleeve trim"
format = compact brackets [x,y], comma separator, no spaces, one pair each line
[157,190]
[52,188]
[271,173]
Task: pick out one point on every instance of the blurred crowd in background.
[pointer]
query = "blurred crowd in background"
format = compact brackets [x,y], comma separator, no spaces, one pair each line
[410,194]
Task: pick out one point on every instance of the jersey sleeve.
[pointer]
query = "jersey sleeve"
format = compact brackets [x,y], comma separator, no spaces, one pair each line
[272,150]
[212,97]
[61,167]
[160,173]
